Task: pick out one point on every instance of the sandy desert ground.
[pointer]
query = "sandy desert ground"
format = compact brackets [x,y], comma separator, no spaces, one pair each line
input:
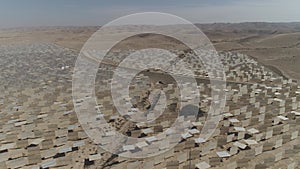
[276,45]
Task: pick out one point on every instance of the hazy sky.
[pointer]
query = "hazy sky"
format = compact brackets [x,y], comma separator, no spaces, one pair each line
[24,13]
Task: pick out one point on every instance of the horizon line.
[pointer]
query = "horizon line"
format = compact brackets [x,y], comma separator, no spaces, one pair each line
[197,23]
